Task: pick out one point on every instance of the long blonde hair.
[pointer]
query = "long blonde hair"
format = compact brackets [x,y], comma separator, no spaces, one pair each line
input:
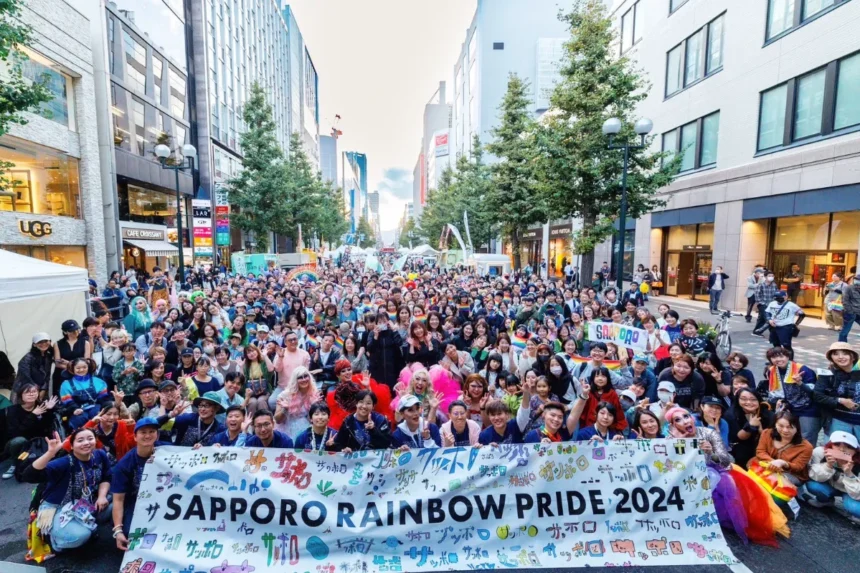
[300,403]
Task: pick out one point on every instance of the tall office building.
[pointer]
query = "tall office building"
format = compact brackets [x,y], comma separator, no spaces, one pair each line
[761,102]
[505,36]
[353,179]
[434,144]
[328,158]
[143,99]
[52,207]
[237,43]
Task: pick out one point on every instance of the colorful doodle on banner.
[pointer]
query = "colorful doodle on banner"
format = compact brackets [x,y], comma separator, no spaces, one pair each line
[633,503]
[304,273]
[621,334]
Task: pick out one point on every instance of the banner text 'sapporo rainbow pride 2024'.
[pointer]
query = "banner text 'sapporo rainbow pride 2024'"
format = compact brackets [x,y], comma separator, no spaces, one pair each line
[229,510]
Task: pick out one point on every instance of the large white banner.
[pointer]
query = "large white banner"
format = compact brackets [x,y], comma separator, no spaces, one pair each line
[621,334]
[644,502]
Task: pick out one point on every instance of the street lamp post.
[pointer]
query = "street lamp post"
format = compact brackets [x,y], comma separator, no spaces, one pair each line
[189,153]
[611,128]
[411,235]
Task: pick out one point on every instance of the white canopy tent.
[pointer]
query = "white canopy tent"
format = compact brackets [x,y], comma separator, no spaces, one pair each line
[37,296]
[424,251]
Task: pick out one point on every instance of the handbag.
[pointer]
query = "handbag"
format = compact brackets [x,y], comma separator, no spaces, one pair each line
[657,284]
[836,305]
[772,481]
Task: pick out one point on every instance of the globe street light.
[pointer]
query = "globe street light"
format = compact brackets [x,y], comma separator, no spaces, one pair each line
[611,128]
[189,153]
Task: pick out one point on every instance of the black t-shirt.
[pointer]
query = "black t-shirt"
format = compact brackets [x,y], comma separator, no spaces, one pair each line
[688,390]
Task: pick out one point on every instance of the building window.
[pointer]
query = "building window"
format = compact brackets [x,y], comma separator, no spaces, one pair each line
[696,58]
[847,112]
[138,117]
[39,180]
[177,94]
[498,45]
[818,104]
[37,68]
[695,141]
[135,59]
[143,205]
[62,255]
[786,15]
[157,69]
[675,4]
[630,33]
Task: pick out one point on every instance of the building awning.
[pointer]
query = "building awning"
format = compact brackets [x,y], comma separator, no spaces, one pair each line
[154,248]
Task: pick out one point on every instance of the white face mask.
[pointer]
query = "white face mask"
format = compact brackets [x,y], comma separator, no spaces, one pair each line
[769,279]
[664,396]
[556,370]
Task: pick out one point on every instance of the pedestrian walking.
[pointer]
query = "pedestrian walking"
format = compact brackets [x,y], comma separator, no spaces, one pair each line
[752,283]
[764,294]
[716,286]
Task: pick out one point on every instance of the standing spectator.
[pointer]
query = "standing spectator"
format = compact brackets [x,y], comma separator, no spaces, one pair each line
[35,366]
[764,293]
[289,358]
[781,318]
[792,279]
[68,348]
[833,302]
[716,286]
[752,283]
[851,306]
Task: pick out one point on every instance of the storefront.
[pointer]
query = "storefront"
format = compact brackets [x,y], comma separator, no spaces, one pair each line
[531,246]
[560,252]
[629,248]
[146,246]
[687,250]
[817,230]
[40,205]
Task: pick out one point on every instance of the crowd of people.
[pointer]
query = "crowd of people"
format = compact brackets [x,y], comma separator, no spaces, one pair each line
[360,360]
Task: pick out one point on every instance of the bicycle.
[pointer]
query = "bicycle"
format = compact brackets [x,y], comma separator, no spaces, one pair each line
[723,342]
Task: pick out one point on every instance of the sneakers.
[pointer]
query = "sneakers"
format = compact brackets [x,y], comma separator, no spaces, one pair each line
[10,472]
[810,499]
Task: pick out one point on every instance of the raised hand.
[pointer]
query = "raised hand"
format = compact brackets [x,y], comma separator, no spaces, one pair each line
[448,440]
[40,409]
[435,399]
[55,444]
[51,403]
[118,396]
[246,423]
[369,425]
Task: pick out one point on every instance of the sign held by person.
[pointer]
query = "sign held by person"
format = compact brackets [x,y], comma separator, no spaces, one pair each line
[621,334]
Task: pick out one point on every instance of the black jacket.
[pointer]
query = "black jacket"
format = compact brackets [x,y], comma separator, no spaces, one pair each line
[35,367]
[385,360]
[426,355]
[327,373]
[380,435]
[851,299]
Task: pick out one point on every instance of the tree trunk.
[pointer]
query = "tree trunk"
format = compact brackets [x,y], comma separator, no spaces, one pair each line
[515,248]
[586,266]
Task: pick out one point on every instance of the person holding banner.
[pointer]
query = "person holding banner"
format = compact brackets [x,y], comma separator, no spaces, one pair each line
[319,436]
[554,428]
[197,427]
[265,434]
[364,429]
[606,415]
[237,423]
[459,430]
[646,425]
[503,429]
[125,481]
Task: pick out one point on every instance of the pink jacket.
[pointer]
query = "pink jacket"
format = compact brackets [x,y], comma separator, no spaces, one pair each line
[474,430]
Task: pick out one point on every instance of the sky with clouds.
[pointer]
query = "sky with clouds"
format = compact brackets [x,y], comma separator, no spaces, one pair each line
[379,62]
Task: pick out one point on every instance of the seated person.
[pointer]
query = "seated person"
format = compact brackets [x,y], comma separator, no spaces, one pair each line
[414,431]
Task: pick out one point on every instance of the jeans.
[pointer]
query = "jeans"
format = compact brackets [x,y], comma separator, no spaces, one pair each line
[715,299]
[848,320]
[840,426]
[73,534]
[761,321]
[781,336]
[826,493]
[89,412]
[810,428]
[750,306]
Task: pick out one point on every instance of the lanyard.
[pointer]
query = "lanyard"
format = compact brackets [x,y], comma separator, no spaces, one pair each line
[200,433]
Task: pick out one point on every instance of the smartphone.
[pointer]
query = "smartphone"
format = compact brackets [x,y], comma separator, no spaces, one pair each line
[840,456]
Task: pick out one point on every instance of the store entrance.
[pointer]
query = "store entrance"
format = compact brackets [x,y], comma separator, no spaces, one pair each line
[816,268]
[687,274]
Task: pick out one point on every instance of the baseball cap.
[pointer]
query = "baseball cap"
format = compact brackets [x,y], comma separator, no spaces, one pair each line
[713,401]
[187,352]
[70,326]
[629,395]
[167,384]
[780,294]
[837,437]
[146,423]
[236,335]
[262,328]
[640,358]
[407,402]
[665,385]
[40,336]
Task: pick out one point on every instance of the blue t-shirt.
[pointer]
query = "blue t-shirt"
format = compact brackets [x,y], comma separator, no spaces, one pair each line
[279,440]
[307,440]
[512,435]
[189,430]
[203,387]
[401,438]
[223,439]
[535,436]
[127,474]
[66,471]
[585,434]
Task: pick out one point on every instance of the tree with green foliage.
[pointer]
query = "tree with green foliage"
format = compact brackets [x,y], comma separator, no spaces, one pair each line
[512,201]
[580,177]
[330,220]
[408,227]
[18,94]
[364,229]
[258,194]
[440,209]
[304,193]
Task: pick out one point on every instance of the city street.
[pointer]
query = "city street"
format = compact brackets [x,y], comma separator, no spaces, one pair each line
[821,542]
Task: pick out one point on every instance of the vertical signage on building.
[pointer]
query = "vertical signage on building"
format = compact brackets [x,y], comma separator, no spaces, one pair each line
[442,144]
[222,217]
[202,227]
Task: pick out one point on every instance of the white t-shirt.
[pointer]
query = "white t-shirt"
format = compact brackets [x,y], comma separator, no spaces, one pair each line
[782,313]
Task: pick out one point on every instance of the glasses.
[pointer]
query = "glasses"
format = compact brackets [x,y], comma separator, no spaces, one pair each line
[263,426]
[146,392]
[304,377]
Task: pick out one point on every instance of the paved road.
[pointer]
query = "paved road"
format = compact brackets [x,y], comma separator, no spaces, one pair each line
[821,542]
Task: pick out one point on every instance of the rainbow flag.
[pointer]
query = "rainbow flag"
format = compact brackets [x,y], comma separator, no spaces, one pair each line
[311,342]
[338,343]
[318,318]
[392,316]
[610,364]
[518,342]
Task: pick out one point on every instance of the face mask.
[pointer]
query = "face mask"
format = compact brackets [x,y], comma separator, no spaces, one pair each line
[626,403]
[664,396]
[543,358]
[556,370]
[769,279]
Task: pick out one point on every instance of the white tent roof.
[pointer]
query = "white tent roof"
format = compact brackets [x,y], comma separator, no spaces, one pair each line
[25,277]
[490,258]
[424,250]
